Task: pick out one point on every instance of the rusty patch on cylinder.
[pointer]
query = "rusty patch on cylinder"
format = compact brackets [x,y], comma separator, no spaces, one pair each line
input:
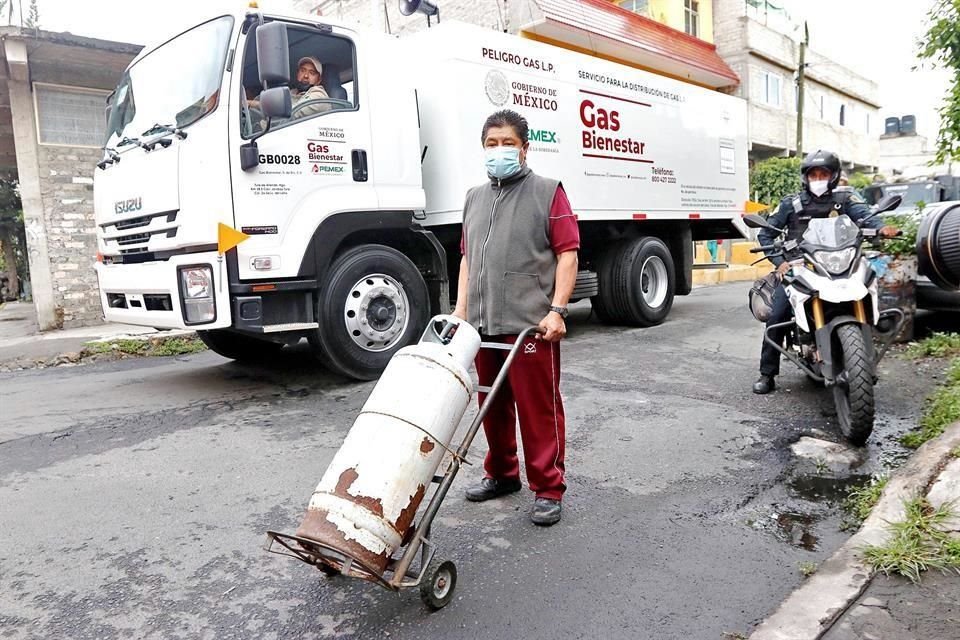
[426,446]
[346,480]
[406,516]
[316,526]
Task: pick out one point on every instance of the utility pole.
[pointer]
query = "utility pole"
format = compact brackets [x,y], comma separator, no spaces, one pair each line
[801,75]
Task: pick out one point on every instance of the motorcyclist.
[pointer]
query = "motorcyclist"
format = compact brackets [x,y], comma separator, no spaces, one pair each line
[820,174]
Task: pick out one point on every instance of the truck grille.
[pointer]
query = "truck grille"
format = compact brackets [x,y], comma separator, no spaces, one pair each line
[143,227]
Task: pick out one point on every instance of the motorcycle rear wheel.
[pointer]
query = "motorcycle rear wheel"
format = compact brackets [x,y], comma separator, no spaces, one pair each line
[855,400]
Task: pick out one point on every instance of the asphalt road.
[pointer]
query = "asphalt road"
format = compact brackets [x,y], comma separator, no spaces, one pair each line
[134,496]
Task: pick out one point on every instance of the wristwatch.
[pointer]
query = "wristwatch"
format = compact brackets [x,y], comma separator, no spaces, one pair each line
[562,311]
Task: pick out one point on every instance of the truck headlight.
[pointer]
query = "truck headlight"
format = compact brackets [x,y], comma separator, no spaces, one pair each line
[836,262]
[196,292]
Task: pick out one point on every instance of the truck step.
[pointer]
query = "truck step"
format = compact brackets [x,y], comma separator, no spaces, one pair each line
[290,326]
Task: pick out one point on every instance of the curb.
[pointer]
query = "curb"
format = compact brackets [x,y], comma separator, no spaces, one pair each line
[81,355]
[812,608]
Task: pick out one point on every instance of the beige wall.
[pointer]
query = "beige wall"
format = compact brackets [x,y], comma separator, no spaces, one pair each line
[671,13]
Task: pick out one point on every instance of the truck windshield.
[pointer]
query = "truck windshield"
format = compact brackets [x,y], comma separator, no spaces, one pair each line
[175,85]
[912,193]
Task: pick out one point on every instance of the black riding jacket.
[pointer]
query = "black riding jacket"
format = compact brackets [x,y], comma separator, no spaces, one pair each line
[796,211]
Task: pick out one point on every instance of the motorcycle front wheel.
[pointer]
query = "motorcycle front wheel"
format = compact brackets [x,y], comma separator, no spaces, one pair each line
[854,401]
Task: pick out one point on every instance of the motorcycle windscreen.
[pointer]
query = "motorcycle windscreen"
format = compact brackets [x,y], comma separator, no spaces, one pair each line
[831,233]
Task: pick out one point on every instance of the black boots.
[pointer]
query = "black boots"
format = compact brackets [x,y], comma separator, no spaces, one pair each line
[490,488]
[764,385]
[545,512]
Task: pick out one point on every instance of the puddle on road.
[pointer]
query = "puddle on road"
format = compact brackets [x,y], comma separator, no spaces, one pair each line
[829,489]
[797,529]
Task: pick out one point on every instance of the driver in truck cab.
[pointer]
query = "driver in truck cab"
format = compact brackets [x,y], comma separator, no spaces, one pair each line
[820,174]
[306,88]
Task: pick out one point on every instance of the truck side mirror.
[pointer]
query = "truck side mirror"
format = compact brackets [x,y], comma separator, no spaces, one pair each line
[276,102]
[273,55]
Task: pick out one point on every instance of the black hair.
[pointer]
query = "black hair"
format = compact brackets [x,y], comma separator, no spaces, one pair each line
[507,118]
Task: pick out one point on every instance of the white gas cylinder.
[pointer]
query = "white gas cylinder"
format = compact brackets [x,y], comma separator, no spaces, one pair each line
[367,499]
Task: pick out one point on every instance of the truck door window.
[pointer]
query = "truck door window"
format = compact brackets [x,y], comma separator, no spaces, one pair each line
[322,78]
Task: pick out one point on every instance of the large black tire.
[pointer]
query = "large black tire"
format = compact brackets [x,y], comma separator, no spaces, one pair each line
[238,346]
[371,273]
[637,282]
[854,401]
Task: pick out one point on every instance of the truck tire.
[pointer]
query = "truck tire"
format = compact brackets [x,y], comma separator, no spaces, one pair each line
[855,400]
[374,302]
[637,281]
[238,346]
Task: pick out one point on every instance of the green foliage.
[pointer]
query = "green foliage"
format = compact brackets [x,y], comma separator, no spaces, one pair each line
[861,500]
[939,345]
[941,46]
[919,543]
[859,181]
[33,16]
[905,245]
[807,568]
[173,346]
[773,180]
[11,227]
[942,409]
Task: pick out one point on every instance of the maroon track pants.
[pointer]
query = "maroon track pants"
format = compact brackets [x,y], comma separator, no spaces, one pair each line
[532,392]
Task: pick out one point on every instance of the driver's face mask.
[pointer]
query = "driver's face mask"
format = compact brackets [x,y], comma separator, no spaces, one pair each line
[819,187]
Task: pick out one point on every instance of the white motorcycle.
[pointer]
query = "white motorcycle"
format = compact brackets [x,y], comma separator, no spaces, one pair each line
[833,292]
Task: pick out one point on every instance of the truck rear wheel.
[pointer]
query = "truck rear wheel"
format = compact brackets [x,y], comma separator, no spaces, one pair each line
[637,282]
[374,303]
[238,346]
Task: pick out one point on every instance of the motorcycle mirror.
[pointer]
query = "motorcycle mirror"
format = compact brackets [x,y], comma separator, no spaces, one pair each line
[888,203]
[756,222]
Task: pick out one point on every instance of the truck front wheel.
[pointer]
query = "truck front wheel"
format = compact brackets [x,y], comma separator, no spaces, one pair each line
[374,303]
[637,282]
[238,346]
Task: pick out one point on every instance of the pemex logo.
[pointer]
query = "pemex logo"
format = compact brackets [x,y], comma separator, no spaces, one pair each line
[497,87]
[543,136]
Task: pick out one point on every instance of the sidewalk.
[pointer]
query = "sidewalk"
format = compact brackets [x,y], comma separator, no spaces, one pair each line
[845,600]
[22,345]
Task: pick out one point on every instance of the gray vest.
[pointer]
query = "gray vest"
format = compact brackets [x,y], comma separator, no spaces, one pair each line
[511,264]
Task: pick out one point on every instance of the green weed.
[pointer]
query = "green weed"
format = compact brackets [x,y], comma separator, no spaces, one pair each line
[917,544]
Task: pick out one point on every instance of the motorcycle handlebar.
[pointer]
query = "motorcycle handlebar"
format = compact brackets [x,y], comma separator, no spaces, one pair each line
[762,249]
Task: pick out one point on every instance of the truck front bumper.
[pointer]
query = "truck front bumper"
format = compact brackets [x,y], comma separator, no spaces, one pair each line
[148,294]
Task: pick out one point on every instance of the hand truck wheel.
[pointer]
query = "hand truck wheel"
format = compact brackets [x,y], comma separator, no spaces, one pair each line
[439,582]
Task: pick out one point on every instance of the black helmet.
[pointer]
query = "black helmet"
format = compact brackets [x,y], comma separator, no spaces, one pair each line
[825,159]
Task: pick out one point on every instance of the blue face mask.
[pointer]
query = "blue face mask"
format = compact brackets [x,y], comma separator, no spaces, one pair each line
[502,162]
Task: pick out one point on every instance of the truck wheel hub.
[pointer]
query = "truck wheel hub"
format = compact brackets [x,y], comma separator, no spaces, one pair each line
[376,312]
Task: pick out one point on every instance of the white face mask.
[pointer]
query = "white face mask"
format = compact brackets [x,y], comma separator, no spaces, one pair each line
[818,187]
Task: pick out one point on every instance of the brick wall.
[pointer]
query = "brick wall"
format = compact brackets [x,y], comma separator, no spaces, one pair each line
[66,187]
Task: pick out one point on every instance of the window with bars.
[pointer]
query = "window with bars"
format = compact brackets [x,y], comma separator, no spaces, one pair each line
[691,17]
[72,117]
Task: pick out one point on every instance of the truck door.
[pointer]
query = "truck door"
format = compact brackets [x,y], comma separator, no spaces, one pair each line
[311,165]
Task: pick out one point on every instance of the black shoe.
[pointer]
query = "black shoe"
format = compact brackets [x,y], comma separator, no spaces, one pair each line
[545,512]
[490,488]
[765,384]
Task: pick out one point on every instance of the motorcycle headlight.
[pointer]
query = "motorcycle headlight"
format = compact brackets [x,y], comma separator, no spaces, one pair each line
[836,262]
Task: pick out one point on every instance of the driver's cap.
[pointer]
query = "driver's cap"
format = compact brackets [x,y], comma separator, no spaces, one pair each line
[316,63]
